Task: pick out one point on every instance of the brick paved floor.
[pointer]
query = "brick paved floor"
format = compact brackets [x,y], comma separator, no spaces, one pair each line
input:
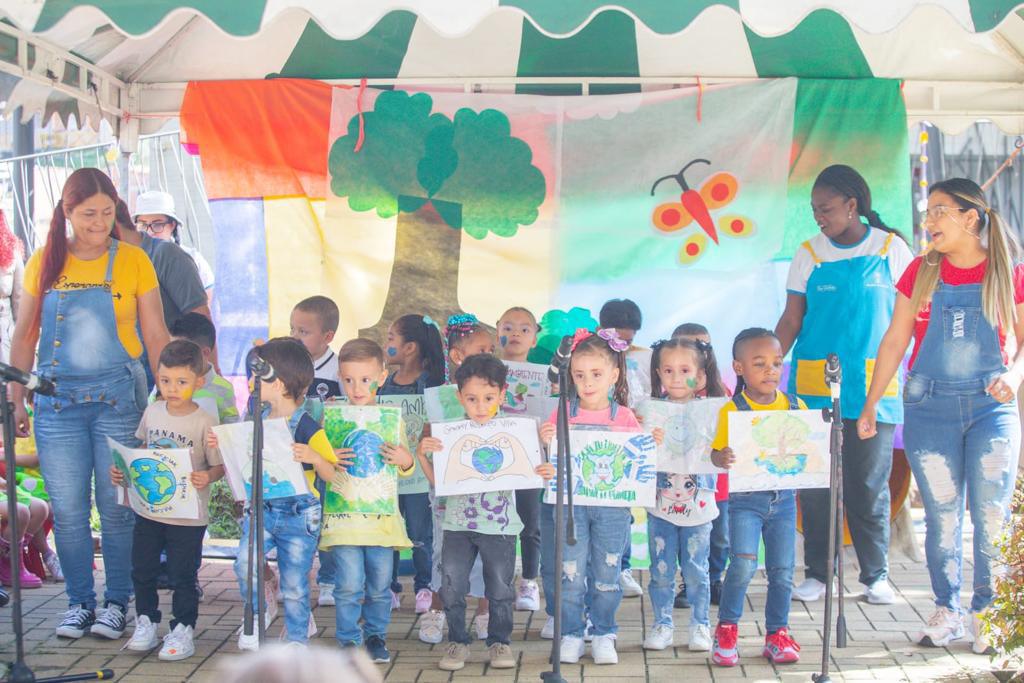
[879,641]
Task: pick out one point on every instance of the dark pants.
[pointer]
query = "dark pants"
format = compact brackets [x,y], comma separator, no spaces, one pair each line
[183,545]
[719,555]
[528,507]
[866,468]
[419,524]
[498,555]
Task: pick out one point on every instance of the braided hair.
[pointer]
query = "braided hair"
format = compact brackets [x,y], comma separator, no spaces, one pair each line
[745,336]
[849,184]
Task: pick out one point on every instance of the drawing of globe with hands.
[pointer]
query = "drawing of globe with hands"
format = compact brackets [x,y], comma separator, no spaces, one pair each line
[366,446]
[487,459]
[153,480]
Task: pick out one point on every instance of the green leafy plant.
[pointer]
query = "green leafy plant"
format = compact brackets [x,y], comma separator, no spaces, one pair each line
[223,523]
[1004,619]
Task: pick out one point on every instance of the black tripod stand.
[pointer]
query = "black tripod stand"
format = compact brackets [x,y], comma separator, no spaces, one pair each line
[563,505]
[19,671]
[834,561]
[261,371]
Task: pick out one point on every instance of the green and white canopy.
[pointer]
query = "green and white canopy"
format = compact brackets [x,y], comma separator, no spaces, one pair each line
[960,60]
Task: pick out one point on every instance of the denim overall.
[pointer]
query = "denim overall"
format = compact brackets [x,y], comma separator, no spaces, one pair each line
[101,392]
[960,440]
[849,307]
[753,515]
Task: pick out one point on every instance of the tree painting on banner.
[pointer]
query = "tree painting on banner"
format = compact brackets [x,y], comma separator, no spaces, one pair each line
[369,485]
[779,449]
[401,159]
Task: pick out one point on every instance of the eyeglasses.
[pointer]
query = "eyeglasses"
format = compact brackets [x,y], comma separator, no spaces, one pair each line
[936,212]
[154,226]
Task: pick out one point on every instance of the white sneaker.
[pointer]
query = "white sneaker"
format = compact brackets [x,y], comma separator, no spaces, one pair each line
[432,627]
[248,643]
[144,637]
[572,649]
[880,593]
[480,625]
[660,638]
[700,638]
[630,587]
[943,627]
[588,631]
[811,590]
[603,650]
[178,644]
[528,596]
[310,627]
[396,602]
[980,644]
[326,596]
[548,632]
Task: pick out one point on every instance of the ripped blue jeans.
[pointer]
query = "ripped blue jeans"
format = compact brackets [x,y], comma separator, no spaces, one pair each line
[963,448]
[666,543]
[601,534]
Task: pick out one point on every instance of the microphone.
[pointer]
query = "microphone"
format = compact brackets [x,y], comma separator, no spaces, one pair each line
[833,371]
[560,361]
[262,369]
[32,381]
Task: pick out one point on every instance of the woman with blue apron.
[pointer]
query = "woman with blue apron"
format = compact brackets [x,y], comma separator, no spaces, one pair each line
[83,295]
[841,291]
[962,428]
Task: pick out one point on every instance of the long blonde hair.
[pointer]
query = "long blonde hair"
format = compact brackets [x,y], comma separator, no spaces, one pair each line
[997,300]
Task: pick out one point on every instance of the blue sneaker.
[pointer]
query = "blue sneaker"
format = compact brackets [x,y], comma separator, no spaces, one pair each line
[378,650]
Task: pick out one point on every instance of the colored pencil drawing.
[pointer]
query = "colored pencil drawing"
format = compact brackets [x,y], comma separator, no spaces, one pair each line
[282,476]
[156,481]
[610,468]
[498,456]
[368,486]
[778,449]
[689,430]
[414,418]
[442,403]
[528,391]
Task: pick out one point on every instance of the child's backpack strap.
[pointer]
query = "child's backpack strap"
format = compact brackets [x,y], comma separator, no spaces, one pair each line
[741,402]
[794,402]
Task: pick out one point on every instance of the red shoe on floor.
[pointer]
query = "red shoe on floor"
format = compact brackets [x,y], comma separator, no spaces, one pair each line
[724,652]
[780,648]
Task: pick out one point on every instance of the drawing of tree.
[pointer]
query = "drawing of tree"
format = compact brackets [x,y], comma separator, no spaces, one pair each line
[440,176]
[782,432]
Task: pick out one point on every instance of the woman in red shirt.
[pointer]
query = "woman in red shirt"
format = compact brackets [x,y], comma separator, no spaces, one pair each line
[961,426]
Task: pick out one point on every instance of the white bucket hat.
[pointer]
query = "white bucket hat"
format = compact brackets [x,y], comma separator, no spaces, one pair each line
[155,202]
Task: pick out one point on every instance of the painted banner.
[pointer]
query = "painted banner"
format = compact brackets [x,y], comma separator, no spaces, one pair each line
[414,418]
[779,449]
[282,476]
[368,486]
[442,403]
[529,391]
[689,430]
[156,481]
[615,469]
[498,456]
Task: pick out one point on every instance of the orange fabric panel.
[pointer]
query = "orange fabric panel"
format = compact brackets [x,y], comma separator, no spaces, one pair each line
[260,138]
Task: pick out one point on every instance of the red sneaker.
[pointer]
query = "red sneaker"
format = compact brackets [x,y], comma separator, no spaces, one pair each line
[780,648]
[724,652]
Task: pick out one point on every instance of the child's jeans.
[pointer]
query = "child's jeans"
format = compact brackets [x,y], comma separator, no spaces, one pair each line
[292,525]
[666,542]
[415,510]
[718,556]
[601,534]
[498,554]
[771,514]
[184,544]
[361,590]
[327,573]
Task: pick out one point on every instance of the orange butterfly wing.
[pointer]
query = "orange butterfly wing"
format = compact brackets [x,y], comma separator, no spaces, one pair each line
[719,190]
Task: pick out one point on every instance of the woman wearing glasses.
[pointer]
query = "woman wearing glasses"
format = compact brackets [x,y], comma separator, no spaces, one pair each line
[840,297]
[155,216]
[962,430]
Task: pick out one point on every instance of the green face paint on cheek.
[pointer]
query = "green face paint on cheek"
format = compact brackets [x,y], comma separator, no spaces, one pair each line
[373,388]
[691,382]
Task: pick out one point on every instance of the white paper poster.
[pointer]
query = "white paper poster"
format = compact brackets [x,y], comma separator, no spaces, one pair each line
[528,391]
[615,469]
[689,430]
[779,449]
[282,476]
[156,481]
[498,456]
[442,403]
[414,418]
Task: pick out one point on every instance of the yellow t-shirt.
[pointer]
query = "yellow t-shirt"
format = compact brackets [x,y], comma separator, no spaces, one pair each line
[132,276]
[781,402]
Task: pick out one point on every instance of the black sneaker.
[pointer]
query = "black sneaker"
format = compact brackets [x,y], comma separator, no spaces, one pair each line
[378,650]
[716,592]
[76,622]
[111,622]
[681,602]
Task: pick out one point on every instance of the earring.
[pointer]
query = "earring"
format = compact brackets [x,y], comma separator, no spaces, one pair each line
[849,215]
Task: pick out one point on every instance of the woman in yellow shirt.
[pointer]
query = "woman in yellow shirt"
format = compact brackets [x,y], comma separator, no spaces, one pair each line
[84,295]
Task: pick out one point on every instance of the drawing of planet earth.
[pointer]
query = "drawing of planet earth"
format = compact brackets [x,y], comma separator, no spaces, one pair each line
[366,445]
[153,480]
[487,460]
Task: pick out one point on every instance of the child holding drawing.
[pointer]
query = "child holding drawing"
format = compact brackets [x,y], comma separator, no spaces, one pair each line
[415,348]
[679,526]
[175,422]
[771,515]
[361,545]
[289,522]
[598,370]
[482,380]
[517,335]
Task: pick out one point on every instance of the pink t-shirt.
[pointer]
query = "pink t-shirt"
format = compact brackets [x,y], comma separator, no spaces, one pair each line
[624,420]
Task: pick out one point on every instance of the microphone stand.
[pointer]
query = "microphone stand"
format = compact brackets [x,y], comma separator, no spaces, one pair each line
[256,559]
[19,671]
[834,560]
[563,513]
